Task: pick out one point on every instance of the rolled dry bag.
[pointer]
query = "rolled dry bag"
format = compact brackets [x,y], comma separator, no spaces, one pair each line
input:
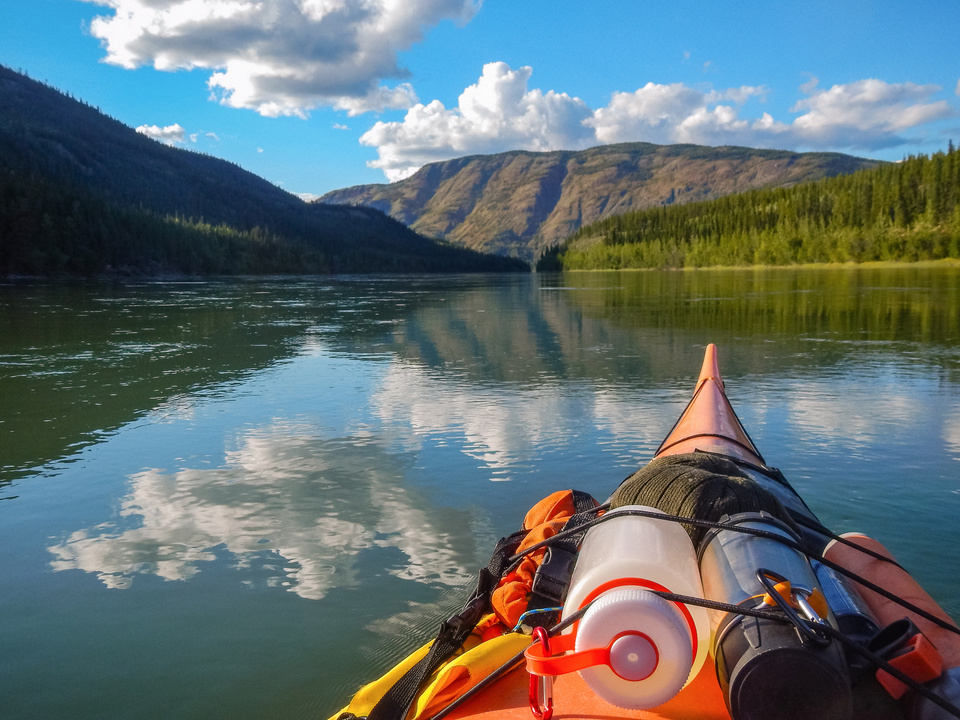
[898,581]
[764,667]
[894,578]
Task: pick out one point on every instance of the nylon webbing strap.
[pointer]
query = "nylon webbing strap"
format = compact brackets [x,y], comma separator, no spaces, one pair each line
[582,502]
[396,703]
[553,576]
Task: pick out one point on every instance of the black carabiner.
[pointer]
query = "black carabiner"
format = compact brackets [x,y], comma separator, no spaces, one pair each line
[807,630]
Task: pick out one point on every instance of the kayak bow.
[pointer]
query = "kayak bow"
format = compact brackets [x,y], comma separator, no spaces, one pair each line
[709,422]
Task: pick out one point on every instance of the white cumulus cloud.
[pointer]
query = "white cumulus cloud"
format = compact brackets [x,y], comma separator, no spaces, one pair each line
[175,134]
[279,57]
[866,114]
[500,112]
[496,114]
[673,113]
[171,134]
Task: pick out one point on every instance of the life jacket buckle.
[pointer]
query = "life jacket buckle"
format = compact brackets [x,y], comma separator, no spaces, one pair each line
[553,576]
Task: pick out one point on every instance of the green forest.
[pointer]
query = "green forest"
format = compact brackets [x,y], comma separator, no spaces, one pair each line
[906,211]
[52,229]
[83,195]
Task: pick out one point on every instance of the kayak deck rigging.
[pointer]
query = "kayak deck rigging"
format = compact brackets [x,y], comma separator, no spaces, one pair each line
[745,505]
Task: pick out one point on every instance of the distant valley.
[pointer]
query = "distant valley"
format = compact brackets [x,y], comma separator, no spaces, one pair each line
[522,203]
[81,194]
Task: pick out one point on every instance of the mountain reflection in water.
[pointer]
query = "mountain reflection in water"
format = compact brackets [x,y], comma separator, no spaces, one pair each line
[243,498]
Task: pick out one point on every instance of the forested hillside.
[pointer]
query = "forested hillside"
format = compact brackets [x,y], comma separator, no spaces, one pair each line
[903,211]
[83,194]
[521,203]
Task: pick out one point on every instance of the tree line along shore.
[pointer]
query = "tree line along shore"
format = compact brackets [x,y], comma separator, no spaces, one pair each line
[905,212]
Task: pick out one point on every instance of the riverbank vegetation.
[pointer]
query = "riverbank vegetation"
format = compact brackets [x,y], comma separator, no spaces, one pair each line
[907,211]
[50,231]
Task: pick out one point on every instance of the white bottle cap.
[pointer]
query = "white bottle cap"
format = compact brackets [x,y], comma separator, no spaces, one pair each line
[651,651]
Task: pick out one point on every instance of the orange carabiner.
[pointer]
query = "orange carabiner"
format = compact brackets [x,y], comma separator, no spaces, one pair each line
[541,686]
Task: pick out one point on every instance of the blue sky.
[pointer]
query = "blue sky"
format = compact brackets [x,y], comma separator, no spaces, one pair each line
[316,95]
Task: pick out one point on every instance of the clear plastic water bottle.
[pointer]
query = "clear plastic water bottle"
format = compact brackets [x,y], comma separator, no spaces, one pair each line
[655,646]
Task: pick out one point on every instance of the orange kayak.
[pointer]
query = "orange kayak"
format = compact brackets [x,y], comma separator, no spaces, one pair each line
[733,681]
[709,422]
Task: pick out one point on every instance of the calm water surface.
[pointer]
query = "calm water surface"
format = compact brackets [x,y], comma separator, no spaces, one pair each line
[242,499]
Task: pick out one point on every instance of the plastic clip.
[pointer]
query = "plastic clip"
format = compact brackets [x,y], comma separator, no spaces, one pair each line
[907,649]
[553,575]
[541,686]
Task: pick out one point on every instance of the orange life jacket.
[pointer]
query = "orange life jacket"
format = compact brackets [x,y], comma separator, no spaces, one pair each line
[542,521]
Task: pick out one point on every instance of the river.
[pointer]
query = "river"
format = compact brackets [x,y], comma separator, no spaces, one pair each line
[243,498]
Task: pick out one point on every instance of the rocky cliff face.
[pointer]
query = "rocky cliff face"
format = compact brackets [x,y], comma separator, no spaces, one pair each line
[520,203]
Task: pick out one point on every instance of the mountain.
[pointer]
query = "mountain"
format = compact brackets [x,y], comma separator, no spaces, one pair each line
[83,194]
[521,203]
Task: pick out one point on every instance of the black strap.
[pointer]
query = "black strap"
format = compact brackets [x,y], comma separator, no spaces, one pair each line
[553,576]
[396,703]
[583,502]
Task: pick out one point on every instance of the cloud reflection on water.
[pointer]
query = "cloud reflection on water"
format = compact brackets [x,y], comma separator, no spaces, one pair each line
[855,414]
[505,432]
[951,434]
[288,505]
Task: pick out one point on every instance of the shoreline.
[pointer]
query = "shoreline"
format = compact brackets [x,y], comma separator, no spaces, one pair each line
[869,265]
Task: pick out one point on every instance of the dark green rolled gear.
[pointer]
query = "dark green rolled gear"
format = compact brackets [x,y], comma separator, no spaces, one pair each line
[698,485]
